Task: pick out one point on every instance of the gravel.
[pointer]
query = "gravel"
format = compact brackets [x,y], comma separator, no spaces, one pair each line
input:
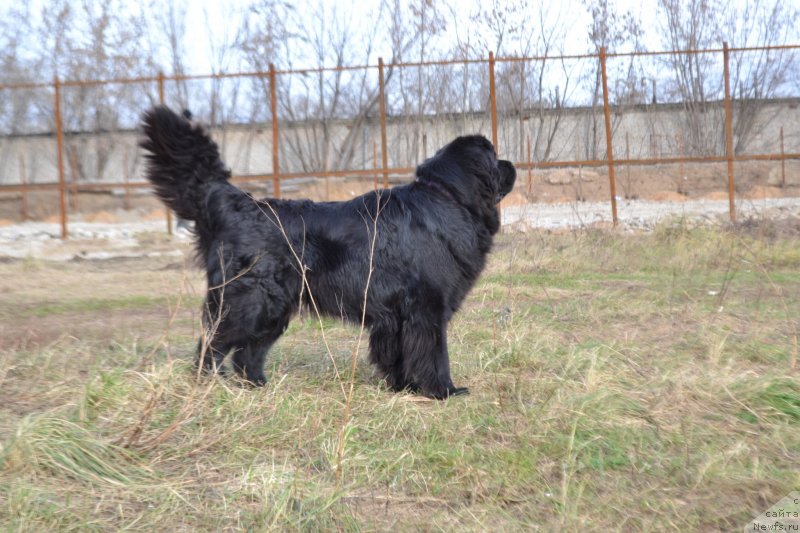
[109,240]
[643,215]
[87,240]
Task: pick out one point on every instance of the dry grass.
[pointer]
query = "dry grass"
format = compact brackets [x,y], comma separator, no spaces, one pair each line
[638,382]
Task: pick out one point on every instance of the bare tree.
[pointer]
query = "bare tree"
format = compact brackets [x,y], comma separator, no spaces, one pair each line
[616,32]
[90,40]
[328,111]
[14,103]
[168,38]
[533,91]
[413,30]
[325,97]
[690,25]
[549,103]
[263,39]
[223,94]
[312,100]
[755,76]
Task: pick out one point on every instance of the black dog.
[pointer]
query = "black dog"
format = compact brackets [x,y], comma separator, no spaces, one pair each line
[265,258]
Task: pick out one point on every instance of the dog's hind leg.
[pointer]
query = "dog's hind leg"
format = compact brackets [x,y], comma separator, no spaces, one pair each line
[210,353]
[251,351]
[213,345]
[248,359]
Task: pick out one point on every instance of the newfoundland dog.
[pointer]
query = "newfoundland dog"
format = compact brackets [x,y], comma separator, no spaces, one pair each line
[421,246]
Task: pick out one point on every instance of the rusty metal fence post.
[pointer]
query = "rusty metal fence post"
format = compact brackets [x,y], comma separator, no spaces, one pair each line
[728,132]
[23,181]
[62,184]
[161,101]
[530,167]
[783,162]
[626,190]
[374,166]
[273,105]
[73,180]
[609,144]
[382,96]
[126,175]
[493,102]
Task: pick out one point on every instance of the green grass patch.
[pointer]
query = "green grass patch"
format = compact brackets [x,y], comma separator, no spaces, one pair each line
[776,398]
[90,305]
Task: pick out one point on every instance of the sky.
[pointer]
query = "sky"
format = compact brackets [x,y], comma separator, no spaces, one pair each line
[360,17]
[223,15]
[212,25]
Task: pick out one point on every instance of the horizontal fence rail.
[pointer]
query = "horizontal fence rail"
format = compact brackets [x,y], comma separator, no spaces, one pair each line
[381,167]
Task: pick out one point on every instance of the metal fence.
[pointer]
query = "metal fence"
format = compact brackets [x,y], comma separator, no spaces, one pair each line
[522,131]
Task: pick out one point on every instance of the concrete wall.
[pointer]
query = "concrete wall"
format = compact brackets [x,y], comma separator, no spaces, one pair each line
[575,133]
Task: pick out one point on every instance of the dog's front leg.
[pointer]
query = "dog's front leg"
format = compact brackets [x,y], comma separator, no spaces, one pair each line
[444,367]
[425,358]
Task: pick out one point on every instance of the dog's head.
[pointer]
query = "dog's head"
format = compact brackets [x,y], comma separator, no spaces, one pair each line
[468,168]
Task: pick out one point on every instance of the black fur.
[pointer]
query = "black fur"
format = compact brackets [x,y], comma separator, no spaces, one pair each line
[433,236]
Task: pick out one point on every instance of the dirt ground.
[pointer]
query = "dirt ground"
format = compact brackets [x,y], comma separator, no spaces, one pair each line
[648,376]
[663,183]
[101,299]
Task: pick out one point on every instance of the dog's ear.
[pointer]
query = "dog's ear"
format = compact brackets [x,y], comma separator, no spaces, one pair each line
[444,170]
[468,168]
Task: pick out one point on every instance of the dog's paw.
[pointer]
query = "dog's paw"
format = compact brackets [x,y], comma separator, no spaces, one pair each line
[209,372]
[412,388]
[256,382]
[451,391]
[401,386]
[458,391]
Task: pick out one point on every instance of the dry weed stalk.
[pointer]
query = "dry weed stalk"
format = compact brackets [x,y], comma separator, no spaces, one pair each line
[173,314]
[354,355]
[210,330]
[304,284]
[132,436]
[779,293]
[348,394]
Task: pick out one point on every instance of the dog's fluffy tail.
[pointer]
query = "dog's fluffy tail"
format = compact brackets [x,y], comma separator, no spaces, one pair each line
[182,161]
